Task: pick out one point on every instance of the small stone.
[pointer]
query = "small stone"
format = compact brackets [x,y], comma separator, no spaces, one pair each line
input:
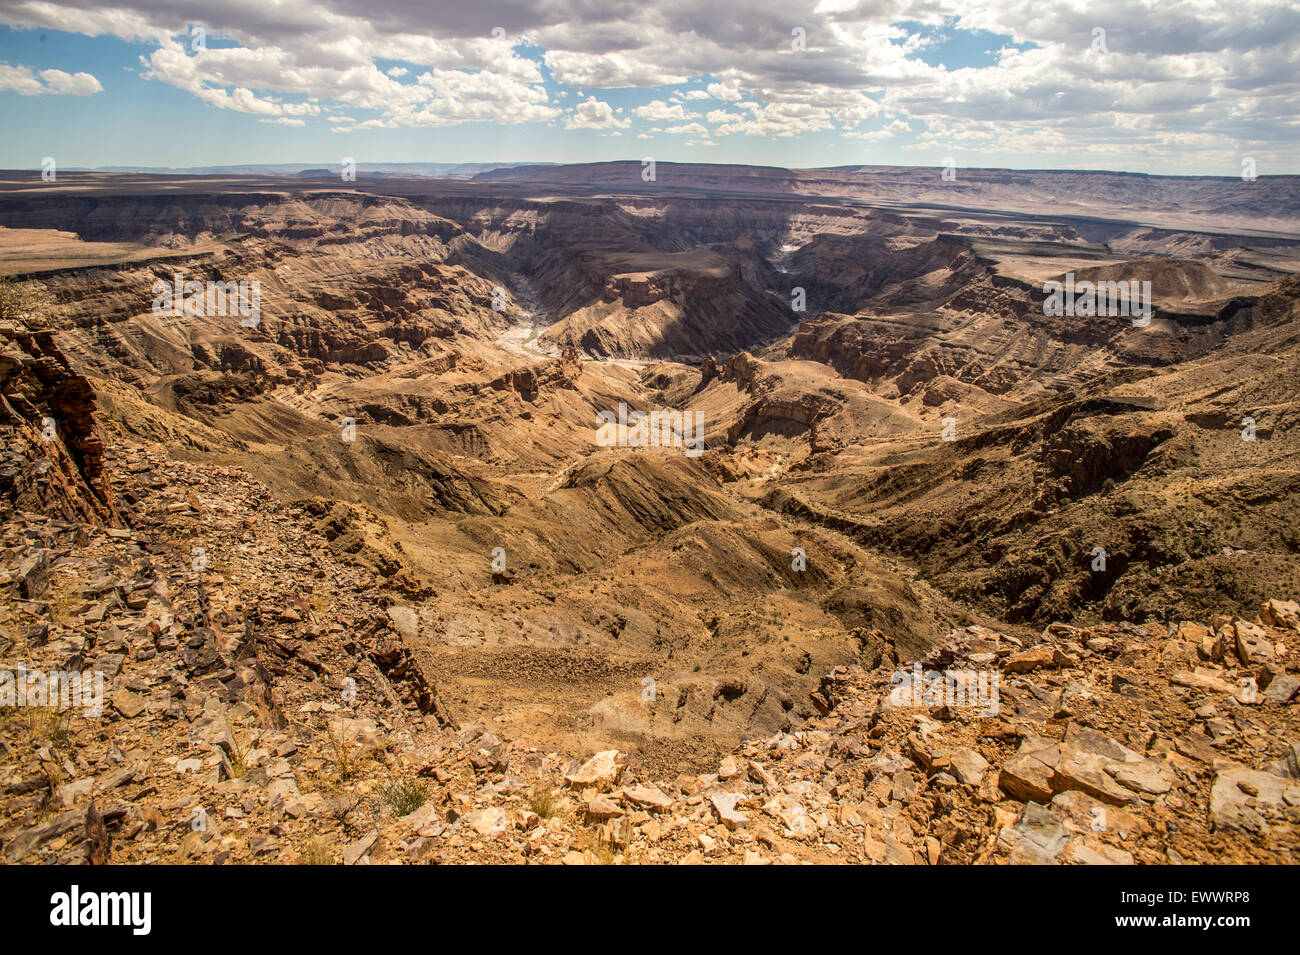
[1284,614]
[1145,777]
[968,766]
[724,805]
[70,793]
[129,704]
[648,797]
[1202,680]
[1282,688]
[1027,775]
[1038,837]
[601,808]
[904,787]
[488,822]
[360,849]
[1243,799]
[1094,852]
[1253,644]
[34,575]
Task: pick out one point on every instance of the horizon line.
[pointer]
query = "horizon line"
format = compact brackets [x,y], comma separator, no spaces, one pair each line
[146,169]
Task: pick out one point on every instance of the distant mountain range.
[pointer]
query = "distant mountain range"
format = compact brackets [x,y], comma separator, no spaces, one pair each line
[1268,204]
[434,170]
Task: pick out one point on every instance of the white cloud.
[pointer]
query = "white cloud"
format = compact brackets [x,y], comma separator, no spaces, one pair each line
[227,78]
[657,111]
[594,114]
[778,119]
[27,82]
[608,70]
[73,84]
[1198,76]
[728,89]
[20,79]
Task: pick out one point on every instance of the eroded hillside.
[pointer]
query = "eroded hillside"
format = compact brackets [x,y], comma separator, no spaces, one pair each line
[898,439]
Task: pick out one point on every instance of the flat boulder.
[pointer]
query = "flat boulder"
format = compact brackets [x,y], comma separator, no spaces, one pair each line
[1250,800]
[1041,657]
[599,772]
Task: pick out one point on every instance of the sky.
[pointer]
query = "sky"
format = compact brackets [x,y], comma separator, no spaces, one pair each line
[1181,87]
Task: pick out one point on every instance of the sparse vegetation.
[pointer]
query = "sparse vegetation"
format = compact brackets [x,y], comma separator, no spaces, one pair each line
[45,725]
[404,796]
[543,801]
[237,756]
[318,852]
[25,303]
[598,850]
[347,755]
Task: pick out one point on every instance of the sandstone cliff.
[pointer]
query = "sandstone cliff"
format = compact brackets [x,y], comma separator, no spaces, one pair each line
[54,448]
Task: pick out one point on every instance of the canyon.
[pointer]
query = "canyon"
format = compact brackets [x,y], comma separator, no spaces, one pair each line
[392,483]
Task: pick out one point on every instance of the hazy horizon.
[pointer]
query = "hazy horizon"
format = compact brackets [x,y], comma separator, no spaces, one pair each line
[1132,87]
[126,168]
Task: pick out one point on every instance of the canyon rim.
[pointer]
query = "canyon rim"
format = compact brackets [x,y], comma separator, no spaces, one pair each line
[800,444]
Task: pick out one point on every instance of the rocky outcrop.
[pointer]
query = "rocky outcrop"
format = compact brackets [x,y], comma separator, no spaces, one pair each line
[54,447]
[529,382]
[665,304]
[843,273]
[212,666]
[634,290]
[1088,451]
[797,415]
[770,407]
